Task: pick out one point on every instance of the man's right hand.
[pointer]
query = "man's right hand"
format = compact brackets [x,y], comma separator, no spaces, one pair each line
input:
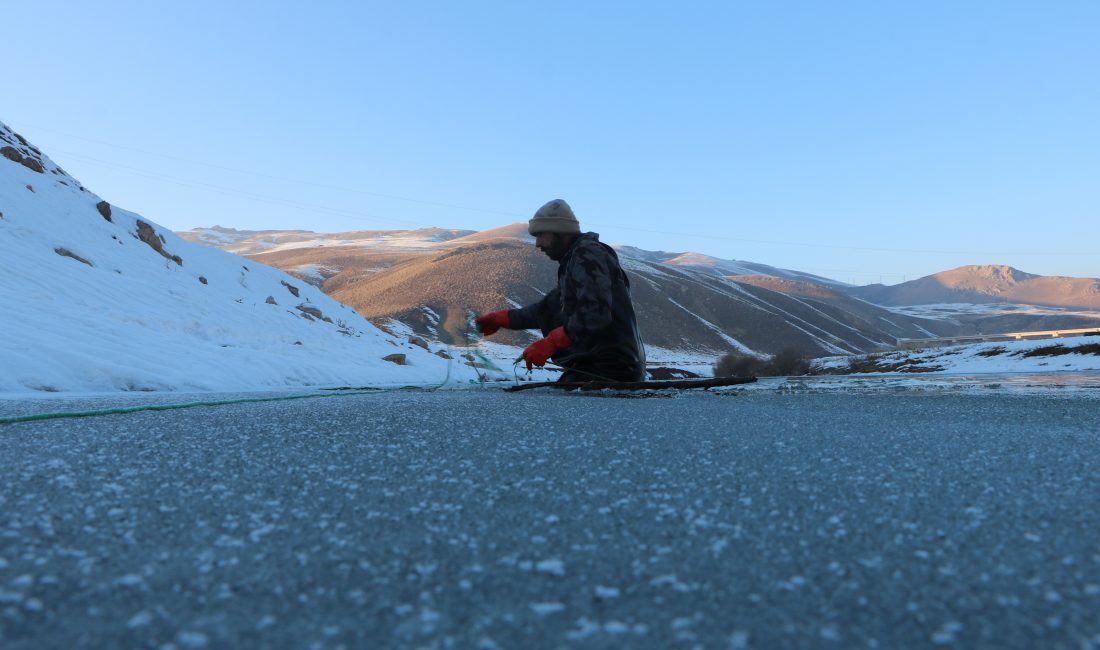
[491,322]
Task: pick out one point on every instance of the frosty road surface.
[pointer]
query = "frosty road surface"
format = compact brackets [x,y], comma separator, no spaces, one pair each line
[479,519]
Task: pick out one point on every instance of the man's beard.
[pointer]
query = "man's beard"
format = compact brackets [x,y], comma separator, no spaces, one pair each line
[555,250]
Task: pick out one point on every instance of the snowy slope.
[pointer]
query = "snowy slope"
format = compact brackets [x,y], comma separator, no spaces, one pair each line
[716,266]
[97,298]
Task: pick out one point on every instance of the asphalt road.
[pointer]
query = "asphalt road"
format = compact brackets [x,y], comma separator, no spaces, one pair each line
[536,520]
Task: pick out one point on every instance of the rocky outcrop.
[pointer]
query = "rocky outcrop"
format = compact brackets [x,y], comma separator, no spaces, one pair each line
[291,288]
[313,312]
[31,163]
[156,242]
[399,359]
[17,149]
[104,209]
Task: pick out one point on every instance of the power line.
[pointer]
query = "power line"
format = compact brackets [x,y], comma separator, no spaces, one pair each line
[279,178]
[238,193]
[350,214]
[512,215]
[836,246]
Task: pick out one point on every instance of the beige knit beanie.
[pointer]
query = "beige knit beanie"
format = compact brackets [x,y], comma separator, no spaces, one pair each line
[556,216]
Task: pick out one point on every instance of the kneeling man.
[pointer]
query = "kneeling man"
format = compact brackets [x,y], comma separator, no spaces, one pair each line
[587,320]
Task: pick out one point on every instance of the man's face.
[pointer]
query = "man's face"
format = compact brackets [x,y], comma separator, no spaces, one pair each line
[552,244]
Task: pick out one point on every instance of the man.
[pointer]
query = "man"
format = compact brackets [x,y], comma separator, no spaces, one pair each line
[588,319]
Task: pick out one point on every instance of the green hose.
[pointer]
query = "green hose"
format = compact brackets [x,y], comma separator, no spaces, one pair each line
[338,392]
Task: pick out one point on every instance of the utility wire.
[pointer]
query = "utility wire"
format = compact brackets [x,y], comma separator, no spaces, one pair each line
[351,214]
[277,178]
[242,194]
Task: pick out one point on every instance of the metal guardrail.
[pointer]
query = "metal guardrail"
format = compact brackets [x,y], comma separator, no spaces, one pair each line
[1005,336]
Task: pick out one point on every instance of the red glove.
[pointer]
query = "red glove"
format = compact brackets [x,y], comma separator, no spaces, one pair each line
[491,322]
[538,352]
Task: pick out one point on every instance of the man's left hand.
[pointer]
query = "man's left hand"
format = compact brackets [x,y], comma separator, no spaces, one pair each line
[540,351]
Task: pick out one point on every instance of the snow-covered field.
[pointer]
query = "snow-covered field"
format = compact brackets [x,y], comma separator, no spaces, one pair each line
[1032,356]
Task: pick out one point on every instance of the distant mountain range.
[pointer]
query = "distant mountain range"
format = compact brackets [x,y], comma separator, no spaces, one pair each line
[432,280]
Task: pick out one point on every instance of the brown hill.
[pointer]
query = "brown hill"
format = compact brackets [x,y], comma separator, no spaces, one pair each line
[986,284]
[799,288]
[516,231]
[452,285]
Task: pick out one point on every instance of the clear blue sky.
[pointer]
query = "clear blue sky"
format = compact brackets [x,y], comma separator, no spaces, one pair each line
[864,141]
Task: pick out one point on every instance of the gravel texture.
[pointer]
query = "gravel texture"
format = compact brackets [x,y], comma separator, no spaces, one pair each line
[481,519]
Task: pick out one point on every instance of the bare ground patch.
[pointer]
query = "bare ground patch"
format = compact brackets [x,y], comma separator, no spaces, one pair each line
[1059,350]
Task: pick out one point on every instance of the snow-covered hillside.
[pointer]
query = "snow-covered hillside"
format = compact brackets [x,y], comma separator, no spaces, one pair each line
[96,298]
[719,267]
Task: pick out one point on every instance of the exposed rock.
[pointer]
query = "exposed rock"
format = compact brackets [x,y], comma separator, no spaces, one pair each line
[13,154]
[314,312]
[104,209]
[271,300]
[150,237]
[64,252]
[31,189]
[419,342]
[290,287]
[442,353]
[399,359]
[202,279]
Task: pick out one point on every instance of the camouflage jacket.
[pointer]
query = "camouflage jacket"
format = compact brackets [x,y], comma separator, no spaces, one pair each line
[592,301]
